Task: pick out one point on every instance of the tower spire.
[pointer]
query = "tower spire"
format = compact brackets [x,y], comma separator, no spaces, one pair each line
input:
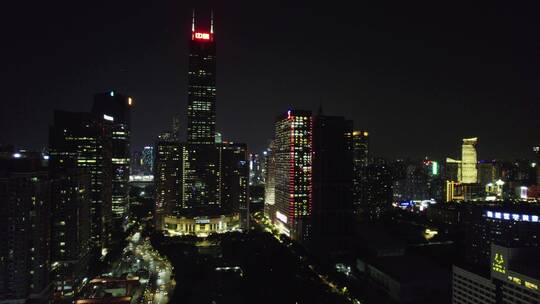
[193,21]
[211,21]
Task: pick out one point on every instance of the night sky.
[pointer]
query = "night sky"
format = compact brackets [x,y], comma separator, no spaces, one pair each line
[418,77]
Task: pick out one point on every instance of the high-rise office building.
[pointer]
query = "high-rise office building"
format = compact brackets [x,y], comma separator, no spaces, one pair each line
[213,173]
[360,142]
[147,160]
[469,169]
[136,163]
[233,176]
[212,191]
[82,140]
[414,184]
[176,127]
[200,156]
[200,179]
[536,150]
[462,176]
[257,169]
[70,230]
[436,182]
[24,230]
[201,111]
[432,167]
[257,175]
[270,182]
[488,172]
[293,173]
[116,109]
[361,148]
[167,177]
[378,191]
[452,170]
[332,211]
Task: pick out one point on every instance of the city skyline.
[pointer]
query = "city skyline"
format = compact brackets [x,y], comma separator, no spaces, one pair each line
[485,84]
[240,153]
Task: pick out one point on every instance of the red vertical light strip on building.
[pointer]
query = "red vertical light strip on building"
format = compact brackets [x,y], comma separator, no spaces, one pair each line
[291,170]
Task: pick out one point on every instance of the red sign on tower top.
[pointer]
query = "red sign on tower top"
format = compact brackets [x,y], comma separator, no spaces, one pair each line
[204,36]
[201,36]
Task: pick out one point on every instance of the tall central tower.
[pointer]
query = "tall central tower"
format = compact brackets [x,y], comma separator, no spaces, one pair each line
[201,110]
[469,170]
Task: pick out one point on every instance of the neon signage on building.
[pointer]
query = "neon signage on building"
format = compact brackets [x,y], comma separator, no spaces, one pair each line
[523,282]
[201,36]
[499,264]
[512,216]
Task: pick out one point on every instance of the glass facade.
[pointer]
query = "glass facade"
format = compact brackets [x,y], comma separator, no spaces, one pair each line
[80,140]
[115,108]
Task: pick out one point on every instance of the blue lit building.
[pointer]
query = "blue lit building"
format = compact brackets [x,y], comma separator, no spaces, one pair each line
[147,160]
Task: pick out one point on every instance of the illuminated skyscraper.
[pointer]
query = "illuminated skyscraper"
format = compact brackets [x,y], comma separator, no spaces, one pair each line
[200,156]
[378,191]
[70,229]
[361,148]
[81,140]
[257,175]
[469,171]
[536,150]
[147,160]
[360,142]
[167,176]
[116,109]
[200,178]
[270,181]
[293,173]
[201,112]
[212,174]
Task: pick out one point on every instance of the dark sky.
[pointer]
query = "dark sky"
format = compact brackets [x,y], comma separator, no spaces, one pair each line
[419,76]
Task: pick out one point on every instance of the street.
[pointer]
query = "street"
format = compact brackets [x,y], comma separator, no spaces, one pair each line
[140,259]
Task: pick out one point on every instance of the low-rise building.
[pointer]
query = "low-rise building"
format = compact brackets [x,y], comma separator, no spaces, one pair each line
[513,277]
